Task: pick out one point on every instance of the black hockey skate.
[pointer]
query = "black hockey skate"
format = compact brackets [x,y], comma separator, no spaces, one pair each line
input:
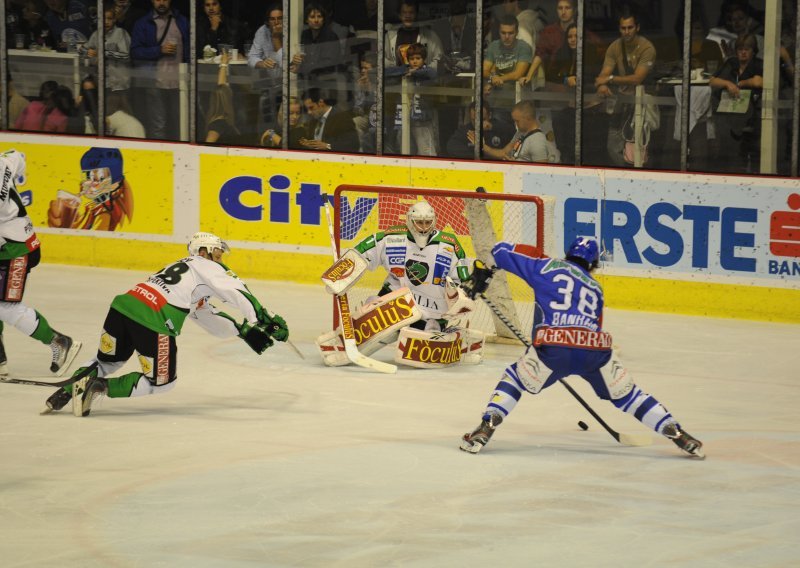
[684,441]
[473,442]
[64,351]
[3,359]
[85,391]
[57,400]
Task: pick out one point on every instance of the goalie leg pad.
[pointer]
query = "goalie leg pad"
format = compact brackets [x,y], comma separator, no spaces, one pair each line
[417,348]
[331,348]
[345,272]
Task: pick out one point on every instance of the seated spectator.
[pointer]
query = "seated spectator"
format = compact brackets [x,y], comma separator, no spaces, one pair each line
[215,28]
[69,22]
[297,127]
[736,22]
[739,132]
[496,135]
[43,115]
[66,103]
[364,103]
[330,128]
[16,103]
[505,62]
[529,143]
[318,62]
[117,52]
[86,105]
[33,27]
[119,117]
[421,113]
[220,116]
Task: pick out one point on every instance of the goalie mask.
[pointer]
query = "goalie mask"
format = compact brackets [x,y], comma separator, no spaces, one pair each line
[208,241]
[421,222]
[102,173]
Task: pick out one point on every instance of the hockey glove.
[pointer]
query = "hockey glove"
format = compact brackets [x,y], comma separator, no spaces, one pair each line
[479,279]
[255,337]
[274,325]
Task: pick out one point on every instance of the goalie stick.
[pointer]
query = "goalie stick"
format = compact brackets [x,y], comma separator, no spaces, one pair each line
[43,382]
[622,438]
[348,335]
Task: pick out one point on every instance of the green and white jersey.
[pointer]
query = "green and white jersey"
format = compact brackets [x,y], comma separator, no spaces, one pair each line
[17,237]
[163,301]
[422,270]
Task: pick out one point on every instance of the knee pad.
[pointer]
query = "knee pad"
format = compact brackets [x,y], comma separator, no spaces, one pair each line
[618,380]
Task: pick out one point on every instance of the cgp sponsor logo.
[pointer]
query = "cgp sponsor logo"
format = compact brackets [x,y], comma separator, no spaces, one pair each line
[694,236]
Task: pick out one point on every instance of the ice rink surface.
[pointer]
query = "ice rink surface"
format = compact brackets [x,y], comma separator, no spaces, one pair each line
[277,461]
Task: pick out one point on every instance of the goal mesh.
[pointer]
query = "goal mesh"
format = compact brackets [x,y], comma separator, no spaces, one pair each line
[477,219]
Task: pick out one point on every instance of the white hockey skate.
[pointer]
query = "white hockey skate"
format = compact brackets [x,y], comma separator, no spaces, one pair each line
[684,441]
[64,352]
[85,391]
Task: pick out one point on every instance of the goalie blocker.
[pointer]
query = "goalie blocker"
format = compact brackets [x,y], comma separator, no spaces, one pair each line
[381,321]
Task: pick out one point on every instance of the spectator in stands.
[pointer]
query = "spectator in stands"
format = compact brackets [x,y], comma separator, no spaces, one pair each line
[220,116]
[33,26]
[127,13]
[398,39]
[627,64]
[739,132]
[266,55]
[505,62]
[66,103]
[496,135]
[43,115]
[531,22]
[117,52]
[68,21]
[320,56]
[216,28]
[86,106]
[159,43]
[16,103]
[330,128]
[297,127]
[529,143]
[364,103]
[735,23]
[119,118]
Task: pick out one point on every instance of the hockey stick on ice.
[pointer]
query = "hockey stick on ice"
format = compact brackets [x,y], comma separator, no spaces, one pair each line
[622,438]
[348,335]
[43,382]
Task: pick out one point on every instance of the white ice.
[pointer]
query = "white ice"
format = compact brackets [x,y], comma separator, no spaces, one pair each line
[277,461]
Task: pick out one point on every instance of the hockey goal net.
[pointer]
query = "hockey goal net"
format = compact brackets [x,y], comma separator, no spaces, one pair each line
[479,220]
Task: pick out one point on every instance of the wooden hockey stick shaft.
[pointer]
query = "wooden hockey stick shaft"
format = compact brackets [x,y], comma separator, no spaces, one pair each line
[45,383]
[348,334]
[295,349]
[625,439]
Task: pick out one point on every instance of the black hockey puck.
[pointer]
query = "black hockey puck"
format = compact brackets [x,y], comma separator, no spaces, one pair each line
[583,425]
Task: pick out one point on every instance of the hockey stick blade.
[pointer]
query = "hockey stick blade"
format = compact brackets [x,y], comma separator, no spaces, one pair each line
[44,382]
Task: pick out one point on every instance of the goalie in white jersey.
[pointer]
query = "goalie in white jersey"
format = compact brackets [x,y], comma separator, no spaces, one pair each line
[148,318]
[428,265]
[19,253]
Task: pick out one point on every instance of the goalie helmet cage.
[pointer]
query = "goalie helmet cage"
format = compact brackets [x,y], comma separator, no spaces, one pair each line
[478,219]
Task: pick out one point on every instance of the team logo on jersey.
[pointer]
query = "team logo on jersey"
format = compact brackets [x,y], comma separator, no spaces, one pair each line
[146,364]
[417,271]
[108,344]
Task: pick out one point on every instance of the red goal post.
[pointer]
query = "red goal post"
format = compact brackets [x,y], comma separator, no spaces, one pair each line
[477,219]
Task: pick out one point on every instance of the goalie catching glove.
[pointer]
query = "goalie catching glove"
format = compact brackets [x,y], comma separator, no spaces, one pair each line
[479,279]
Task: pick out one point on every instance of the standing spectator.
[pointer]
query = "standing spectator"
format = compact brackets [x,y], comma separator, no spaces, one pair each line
[423,132]
[735,22]
[505,62]
[43,115]
[33,26]
[117,52]
[318,62]
[68,21]
[220,116]
[127,12]
[496,135]
[160,42]
[217,28]
[529,143]
[332,128]
[627,64]
[531,22]
[397,40]
[365,108]
[739,133]
[266,55]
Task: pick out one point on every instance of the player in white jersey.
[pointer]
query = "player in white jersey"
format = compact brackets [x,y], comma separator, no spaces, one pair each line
[420,257]
[148,318]
[19,253]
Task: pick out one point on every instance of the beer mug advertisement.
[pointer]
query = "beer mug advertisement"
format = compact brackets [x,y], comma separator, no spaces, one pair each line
[98,188]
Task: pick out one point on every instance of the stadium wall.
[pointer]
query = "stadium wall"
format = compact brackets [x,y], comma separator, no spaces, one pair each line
[721,246]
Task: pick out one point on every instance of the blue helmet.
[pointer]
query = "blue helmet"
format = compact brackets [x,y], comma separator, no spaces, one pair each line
[586,249]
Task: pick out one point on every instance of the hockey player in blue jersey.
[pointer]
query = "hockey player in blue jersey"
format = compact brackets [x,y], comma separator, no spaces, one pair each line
[568,339]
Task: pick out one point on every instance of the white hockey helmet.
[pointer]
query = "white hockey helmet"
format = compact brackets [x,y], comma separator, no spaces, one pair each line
[421,221]
[208,241]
